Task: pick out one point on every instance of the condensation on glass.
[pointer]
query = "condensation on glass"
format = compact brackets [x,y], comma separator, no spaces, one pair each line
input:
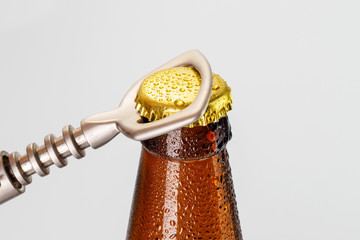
[184,187]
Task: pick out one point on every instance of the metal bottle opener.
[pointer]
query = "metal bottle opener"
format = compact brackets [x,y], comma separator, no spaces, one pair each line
[97,130]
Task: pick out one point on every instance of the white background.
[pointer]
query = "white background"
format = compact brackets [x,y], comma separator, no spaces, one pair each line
[294,70]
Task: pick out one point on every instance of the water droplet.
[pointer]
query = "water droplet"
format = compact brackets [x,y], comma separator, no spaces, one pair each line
[172,223]
[174,87]
[215,87]
[179,102]
[182,89]
[156,83]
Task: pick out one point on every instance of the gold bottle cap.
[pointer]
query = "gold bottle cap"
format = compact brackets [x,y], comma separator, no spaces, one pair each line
[169,91]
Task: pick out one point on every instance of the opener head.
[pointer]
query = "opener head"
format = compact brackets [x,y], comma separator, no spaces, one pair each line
[101,128]
[141,131]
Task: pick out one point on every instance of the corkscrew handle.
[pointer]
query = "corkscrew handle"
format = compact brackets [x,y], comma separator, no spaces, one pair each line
[16,169]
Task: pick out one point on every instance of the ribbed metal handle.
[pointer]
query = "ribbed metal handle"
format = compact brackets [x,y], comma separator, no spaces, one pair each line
[16,169]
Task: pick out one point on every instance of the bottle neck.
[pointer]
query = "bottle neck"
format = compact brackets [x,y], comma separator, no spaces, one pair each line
[191,143]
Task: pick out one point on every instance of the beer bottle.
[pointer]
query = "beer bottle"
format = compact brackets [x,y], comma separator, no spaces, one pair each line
[184,188]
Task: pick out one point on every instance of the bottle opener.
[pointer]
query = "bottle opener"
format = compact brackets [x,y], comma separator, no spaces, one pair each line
[97,130]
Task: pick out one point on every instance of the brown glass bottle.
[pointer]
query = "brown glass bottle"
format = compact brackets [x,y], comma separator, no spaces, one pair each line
[184,188]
